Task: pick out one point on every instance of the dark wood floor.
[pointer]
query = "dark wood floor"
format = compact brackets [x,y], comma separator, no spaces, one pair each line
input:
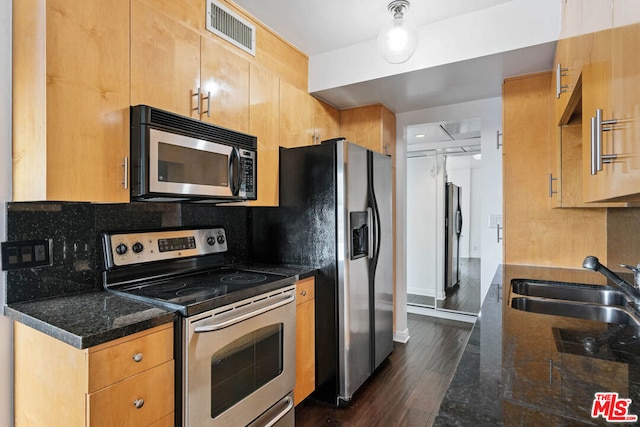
[464,297]
[407,389]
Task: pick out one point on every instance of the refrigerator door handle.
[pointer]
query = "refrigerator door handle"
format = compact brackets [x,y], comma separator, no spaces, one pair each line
[458,222]
[370,249]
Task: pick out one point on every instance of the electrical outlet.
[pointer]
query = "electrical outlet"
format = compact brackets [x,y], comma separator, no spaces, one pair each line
[495,220]
[26,254]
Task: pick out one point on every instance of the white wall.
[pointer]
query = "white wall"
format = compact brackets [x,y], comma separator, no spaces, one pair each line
[422,206]
[6,340]
[489,181]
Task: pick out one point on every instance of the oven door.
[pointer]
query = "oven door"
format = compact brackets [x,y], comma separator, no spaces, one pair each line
[185,166]
[240,362]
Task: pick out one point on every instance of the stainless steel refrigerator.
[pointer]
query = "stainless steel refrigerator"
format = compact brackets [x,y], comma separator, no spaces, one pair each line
[453,231]
[335,213]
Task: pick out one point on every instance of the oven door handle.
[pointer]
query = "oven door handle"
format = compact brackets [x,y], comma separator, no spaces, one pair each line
[282,413]
[290,297]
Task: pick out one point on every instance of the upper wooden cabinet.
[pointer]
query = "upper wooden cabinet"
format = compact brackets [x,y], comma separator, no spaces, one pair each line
[224,79]
[326,121]
[264,116]
[176,69]
[296,117]
[532,229]
[372,126]
[165,61]
[610,95]
[70,100]
[568,60]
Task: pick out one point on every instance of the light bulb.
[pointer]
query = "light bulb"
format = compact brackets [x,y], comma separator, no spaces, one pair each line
[398,39]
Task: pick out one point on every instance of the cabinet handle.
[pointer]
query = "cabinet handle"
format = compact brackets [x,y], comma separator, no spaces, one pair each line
[125,166]
[598,126]
[137,357]
[498,228]
[138,403]
[198,96]
[303,293]
[560,73]
[498,143]
[208,98]
[551,179]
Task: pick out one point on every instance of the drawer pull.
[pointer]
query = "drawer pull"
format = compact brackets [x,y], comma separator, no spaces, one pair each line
[138,403]
[303,293]
[137,357]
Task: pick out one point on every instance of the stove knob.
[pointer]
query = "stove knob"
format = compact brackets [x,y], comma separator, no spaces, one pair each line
[221,239]
[121,249]
[211,240]
[137,247]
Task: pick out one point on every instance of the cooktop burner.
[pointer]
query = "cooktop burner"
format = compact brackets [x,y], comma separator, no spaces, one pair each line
[179,269]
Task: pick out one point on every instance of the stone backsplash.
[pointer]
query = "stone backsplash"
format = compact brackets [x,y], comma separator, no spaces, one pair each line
[76,228]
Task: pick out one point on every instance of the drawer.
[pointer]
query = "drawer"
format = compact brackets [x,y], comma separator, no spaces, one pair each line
[114,405]
[305,290]
[129,356]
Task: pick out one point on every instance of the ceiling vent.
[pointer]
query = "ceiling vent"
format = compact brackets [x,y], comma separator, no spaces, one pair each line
[231,27]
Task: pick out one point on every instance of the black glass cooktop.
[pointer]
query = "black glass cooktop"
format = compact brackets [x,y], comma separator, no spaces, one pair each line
[185,293]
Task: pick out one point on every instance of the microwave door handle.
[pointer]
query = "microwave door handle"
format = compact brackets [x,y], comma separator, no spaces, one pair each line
[234,171]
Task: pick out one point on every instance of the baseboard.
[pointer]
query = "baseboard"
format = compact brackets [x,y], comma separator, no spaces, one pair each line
[443,314]
[401,337]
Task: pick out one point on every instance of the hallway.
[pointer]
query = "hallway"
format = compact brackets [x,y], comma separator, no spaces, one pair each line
[464,297]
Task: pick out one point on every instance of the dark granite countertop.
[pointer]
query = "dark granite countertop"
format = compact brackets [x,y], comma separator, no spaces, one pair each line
[87,319]
[523,368]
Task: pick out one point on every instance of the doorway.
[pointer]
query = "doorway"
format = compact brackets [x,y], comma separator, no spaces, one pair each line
[437,154]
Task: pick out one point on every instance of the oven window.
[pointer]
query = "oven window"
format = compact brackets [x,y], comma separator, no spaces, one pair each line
[244,366]
[190,166]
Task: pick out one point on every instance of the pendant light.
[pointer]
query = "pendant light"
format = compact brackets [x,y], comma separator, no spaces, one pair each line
[398,39]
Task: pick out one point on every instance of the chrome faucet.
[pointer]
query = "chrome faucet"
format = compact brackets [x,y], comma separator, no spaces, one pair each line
[632,292]
[636,274]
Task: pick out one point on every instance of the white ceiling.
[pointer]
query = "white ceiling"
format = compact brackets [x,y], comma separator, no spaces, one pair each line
[319,26]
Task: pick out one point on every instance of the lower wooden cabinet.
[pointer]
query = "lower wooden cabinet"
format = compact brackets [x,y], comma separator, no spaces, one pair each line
[305,340]
[126,382]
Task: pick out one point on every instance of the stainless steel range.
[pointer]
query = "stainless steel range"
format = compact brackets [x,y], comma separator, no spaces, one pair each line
[235,342]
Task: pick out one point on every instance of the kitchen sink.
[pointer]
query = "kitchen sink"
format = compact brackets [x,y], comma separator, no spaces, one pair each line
[580,310]
[604,295]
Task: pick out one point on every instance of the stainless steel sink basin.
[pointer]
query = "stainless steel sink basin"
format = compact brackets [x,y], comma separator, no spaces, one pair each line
[595,294]
[580,310]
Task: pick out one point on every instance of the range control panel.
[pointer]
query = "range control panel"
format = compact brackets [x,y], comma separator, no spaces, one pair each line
[135,248]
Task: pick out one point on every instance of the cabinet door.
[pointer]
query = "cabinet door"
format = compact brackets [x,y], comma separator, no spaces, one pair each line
[372,126]
[305,340]
[264,115]
[626,100]
[224,79]
[136,401]
[568,59]
[165,61]
[296,116]
[596,93]
[326,120]
[70,100]
[531,227]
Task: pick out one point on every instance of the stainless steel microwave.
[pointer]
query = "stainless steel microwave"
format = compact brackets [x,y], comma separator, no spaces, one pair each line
[179,158]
